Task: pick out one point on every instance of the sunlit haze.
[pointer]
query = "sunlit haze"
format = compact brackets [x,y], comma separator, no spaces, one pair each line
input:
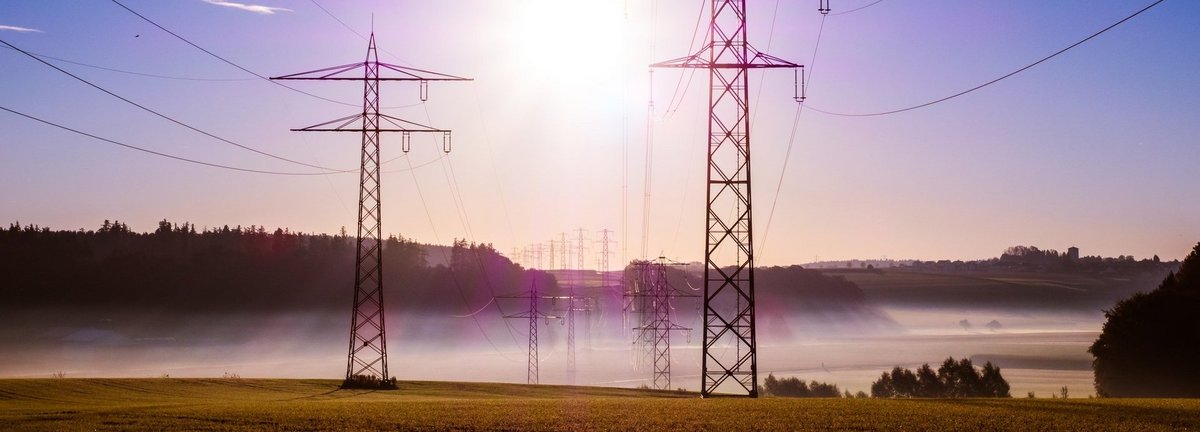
[1095,148]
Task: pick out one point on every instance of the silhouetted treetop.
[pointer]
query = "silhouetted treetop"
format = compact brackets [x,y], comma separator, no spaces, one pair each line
[1150,345]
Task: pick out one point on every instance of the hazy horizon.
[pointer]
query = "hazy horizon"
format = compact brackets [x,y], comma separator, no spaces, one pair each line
[1093,148]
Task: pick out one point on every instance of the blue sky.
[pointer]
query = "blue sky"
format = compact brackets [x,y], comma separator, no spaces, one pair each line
[1095,148]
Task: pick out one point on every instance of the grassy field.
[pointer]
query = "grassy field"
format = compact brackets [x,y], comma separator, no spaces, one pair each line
[302,405]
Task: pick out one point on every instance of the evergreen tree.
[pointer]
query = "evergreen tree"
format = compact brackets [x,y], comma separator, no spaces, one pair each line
[1150,344]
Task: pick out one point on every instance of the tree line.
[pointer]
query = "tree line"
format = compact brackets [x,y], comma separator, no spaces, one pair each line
[179,269]
[954,379]
[1150,343]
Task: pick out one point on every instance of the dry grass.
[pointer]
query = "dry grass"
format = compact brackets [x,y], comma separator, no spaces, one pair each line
[270,405]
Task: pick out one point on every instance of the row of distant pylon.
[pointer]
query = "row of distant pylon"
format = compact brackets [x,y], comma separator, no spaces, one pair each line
[568,251]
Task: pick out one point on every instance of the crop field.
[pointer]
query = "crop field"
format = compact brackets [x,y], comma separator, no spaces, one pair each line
[303,405]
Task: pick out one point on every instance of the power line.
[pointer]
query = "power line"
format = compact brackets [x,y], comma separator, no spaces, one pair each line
[185,40]
[859,8]
[335,18]
[156,153]
[195,161]
[695,31]
[169,118]
[995,80]
[791,142]
[223,59]
[352,30]
[150,75]
[454,277]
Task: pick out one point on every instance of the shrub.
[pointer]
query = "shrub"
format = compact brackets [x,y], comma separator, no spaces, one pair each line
[371,382]
[795,387]
[954,379]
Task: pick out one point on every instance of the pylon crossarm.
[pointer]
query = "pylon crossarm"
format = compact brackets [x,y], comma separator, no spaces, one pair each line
[757,60]
[352,72]
[408,126]
[352,123]
[414,74]
[314,74]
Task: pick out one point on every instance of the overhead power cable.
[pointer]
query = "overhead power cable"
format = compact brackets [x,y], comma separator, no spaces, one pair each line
[156,153]
[1026,67]
[144,74]
[194,161]
[791,143]
[360,35]
[169,118]
[691,44]
[858,8]
[243,69]
[214,55]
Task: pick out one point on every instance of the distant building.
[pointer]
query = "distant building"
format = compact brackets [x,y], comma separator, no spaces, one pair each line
[1073,253]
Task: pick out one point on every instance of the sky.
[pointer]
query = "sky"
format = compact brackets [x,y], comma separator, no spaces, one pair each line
[1095,148]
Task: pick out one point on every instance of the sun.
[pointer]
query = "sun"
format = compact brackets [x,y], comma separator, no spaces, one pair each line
[571,43]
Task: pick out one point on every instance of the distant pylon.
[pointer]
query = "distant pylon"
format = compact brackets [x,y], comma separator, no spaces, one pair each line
[367,358]
[655,334]
[729,309]
[531,373]
[605,254]
[562,251]
[571,367]
[571,307]
[605,278]
[533,314]
[638,308]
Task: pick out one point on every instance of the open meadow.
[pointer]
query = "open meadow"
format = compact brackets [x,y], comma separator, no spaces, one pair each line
[303,405]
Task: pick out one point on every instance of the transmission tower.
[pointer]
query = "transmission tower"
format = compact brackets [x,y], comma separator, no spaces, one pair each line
[532,314]
[367,358]
[729,249]
[605,254]
[538,248]
[638,300]
[571,307]
[562,251]
[656,332]
[605,278]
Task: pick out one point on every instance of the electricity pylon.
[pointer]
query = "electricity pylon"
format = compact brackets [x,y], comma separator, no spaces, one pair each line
[571,308]
[532,314]
[638,281]
[366,361]
[729,247]
[655,334]
[605,254]
[604,264]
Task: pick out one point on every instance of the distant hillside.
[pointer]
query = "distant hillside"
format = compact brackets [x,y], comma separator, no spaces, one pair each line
[795,302]
[999,289]
[1022,278]
[180,277]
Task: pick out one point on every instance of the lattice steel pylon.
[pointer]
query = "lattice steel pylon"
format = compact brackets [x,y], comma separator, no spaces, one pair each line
[637,281]
[655,333]
[531,372]
[728,251]
[533,314]
[366,362]
[580,246]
